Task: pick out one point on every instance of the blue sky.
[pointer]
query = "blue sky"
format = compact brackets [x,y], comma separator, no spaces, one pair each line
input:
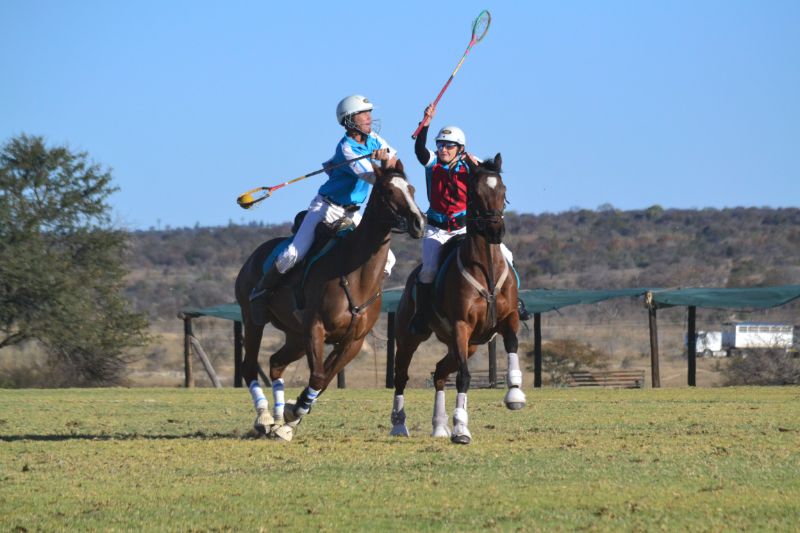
[633,103]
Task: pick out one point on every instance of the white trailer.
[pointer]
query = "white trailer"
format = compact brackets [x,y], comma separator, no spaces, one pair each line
[749,335]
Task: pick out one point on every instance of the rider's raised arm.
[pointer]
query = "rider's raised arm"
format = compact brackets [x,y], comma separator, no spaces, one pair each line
[424,155]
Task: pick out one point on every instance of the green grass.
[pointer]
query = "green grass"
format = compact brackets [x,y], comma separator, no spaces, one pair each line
[172,459]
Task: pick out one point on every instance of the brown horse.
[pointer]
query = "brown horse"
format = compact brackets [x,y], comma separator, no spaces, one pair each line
[476,300]
[341,295]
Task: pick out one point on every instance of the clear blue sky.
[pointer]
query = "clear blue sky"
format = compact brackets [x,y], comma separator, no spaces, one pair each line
[680,103]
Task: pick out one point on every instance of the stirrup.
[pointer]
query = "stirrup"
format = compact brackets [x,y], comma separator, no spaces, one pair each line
[522,311]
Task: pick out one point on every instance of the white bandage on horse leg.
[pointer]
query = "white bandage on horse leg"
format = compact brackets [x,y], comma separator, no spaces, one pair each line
[460,413]
[398,413]
[514,373]
[259,400]
[278,397]
[440,427]
[305,401]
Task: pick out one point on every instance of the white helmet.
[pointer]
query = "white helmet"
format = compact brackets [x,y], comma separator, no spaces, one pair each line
[350,106]
[452,134]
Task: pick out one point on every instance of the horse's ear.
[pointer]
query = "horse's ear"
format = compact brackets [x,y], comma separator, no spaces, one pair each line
[498,162]
[398,166]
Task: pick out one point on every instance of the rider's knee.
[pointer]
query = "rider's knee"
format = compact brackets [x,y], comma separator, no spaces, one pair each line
[426,276]
[390,261]
[287,259]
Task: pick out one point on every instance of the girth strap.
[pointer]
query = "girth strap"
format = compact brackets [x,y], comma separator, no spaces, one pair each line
[355,310]
[490,297]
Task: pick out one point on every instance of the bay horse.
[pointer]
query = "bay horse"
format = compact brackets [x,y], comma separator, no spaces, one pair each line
[475,298]
[341,294]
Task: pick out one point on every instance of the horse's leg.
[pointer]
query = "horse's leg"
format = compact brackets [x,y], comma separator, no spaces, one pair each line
[407,344]
[515,398]
[291,351]
[315,352]
[446,366]
[460,346]
[252,344]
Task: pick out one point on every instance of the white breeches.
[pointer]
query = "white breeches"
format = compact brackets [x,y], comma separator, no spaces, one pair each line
[318,211]
[432,244]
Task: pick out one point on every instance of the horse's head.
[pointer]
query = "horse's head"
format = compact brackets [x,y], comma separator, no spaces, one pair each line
[486,200]
[396,195]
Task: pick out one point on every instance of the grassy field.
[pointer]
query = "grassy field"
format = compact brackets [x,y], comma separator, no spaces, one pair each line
[173,459]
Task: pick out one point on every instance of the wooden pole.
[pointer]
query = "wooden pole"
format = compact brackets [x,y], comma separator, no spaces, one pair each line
[493,363]
[390,350]
[537,350]
[237,354]
[691,347]
[654,376]
[201,353]
[188,381]
[340,383]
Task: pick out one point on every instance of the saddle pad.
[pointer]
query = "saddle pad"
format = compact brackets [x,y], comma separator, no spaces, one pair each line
[325,249]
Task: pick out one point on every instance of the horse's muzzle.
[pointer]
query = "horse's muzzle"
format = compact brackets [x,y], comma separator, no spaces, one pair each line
[416,225]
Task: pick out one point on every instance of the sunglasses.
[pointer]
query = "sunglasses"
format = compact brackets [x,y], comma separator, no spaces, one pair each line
[445,144]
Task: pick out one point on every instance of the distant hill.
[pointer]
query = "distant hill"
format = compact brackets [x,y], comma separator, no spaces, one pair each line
[585,249]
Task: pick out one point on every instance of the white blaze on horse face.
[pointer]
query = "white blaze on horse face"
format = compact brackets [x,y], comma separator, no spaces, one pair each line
[491,182]
[402,184]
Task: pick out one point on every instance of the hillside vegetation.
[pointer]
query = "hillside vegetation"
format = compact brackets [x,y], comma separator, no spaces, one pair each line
[582,249]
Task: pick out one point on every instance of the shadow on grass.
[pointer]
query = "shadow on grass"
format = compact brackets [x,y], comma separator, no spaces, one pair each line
[130,436]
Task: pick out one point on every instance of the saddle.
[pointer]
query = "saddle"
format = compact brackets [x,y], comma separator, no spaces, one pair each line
[325,238]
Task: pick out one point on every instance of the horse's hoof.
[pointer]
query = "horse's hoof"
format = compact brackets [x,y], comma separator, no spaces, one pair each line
[440,431]
[461,439]
[264,421]
[283,433]
[288,413]
[399,430]
[514,399]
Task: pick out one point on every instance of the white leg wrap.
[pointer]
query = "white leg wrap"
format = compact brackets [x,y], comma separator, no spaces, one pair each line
[461,434]
[440,428]
[278,397]
[259,400]
[399,428]
[514,373]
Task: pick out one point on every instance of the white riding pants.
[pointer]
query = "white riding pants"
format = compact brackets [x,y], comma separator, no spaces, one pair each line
[432,243]
[318,211]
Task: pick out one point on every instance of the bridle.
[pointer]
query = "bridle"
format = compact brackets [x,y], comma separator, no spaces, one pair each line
[481,218]
[398,222]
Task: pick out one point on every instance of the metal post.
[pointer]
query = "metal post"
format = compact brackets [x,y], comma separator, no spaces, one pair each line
[340,384]
[237,354]
[493,363]
[691,347]
[655,379]
[537,350]
[390,350]
[188,381]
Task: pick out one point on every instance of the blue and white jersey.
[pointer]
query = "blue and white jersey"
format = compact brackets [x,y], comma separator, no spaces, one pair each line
[349,184]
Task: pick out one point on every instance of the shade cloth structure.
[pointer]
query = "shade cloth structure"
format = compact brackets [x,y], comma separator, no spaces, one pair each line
[540,301]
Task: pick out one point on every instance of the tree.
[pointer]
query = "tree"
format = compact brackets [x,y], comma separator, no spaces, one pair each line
[61,263]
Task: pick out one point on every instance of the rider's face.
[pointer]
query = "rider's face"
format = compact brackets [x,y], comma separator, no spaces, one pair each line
[363,121]
[446,151]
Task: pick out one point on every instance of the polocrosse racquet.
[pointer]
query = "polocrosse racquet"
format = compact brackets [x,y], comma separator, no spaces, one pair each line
[248,200]
[479,29]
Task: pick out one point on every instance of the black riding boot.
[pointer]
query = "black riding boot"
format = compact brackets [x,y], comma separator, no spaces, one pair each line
[263,290]
[522,311]
[419,322]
